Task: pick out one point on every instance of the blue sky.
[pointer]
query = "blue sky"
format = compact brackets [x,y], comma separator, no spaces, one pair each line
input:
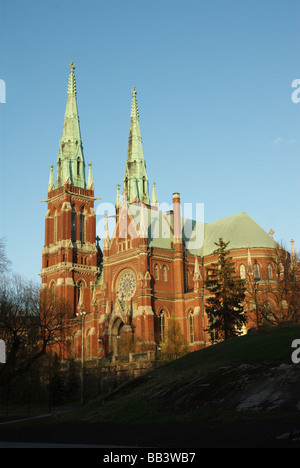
[214,82]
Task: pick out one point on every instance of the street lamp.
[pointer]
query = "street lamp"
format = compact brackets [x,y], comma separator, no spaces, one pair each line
[256,285]
[158,349]
[82,316]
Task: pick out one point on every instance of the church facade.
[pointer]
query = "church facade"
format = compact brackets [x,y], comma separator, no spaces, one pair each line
[150,269]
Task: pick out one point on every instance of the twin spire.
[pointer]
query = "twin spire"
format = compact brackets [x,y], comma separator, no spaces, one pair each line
[135,178]
[136,184]
[70,159]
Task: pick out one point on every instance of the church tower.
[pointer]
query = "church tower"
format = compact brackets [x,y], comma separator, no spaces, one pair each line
[136,183]
[69,265]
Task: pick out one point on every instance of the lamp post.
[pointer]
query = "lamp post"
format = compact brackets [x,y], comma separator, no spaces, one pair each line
[202,302]
[158,349]
[256,285]
[82,315]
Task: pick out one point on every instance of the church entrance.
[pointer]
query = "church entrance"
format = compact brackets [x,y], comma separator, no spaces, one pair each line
[116,331]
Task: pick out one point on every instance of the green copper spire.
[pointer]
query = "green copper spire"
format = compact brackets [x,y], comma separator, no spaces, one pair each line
[51,185]
[118,198]
[135,178]
[154,196]
[90,182]
[70,160]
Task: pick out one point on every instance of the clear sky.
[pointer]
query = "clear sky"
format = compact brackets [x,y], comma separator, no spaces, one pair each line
[214,83]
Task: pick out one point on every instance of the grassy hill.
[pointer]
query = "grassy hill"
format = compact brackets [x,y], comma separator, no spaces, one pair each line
[249,373]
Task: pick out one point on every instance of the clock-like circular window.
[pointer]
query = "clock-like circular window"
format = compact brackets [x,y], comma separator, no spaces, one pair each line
[126,286]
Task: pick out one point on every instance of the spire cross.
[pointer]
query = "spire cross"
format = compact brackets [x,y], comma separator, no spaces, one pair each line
[133,92]
[72,66]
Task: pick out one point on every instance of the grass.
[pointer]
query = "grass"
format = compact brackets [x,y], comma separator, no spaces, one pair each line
[133,404]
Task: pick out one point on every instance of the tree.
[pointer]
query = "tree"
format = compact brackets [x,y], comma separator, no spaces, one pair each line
[224,307]
[30,323]
[174,344]
[56,383]
[5,263]
[283,287]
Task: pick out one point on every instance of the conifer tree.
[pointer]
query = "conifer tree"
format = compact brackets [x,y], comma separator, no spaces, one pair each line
[224,308]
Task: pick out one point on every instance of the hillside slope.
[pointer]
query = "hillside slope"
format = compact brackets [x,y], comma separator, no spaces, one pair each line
[250,373]
[243,393]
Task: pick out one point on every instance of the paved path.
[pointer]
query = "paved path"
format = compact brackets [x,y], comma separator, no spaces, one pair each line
[45,445]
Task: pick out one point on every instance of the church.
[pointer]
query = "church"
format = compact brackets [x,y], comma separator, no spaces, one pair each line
[150,270]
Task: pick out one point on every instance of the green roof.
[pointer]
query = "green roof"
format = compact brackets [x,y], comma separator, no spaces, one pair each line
[240,230]
[199,238]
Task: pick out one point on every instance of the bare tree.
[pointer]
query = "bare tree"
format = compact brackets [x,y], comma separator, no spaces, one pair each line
[174,344]
[5,263]
[30,324]
[283,286]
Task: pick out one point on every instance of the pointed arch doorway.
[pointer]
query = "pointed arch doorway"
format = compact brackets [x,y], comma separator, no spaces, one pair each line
[116,331]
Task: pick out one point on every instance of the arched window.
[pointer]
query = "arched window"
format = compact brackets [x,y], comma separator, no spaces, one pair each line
[191,327]
[164,273]
[89,344]
[77,345]
[55,227]
[82,226]
[162,325]
[59,170]
[73,224]
[209,275]
[52,290]
[256,272]
[242,272]
[156,273]
[269,271]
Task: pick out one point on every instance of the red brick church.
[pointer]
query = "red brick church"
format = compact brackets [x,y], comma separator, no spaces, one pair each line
[151,268]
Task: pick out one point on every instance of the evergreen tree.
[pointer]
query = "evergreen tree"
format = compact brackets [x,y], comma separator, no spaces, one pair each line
[224,307]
